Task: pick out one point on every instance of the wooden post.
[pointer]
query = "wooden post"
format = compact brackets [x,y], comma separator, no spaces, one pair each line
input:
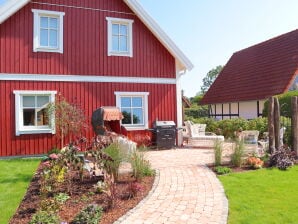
[295,123]
[276,123]
[271,125]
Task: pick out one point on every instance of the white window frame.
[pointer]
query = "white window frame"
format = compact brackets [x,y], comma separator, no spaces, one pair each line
[37,14]
[144,95]
[127,22]
[20,128]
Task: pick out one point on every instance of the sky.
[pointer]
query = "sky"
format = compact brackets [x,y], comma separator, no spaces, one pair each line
[210,31]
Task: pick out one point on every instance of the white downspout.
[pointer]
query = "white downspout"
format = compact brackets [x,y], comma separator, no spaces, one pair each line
[179,73]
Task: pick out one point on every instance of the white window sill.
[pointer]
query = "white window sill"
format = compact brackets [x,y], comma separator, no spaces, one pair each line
[121,54]
[135,128]
[34,131]
[52,50]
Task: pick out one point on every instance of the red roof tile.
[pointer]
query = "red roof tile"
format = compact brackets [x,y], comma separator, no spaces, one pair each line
[257,72]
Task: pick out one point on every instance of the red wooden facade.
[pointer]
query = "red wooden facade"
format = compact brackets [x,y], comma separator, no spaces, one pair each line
[85,53]
[85,44]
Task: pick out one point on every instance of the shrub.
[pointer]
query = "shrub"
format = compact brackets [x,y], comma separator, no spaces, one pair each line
[282,159]
[222,170]
[61,198]
[89,215]
[140,166]
[43,217]
[254,162]
[49,205]
[112,166]
[238,153]
[229,127]
[217,152]
[285,104]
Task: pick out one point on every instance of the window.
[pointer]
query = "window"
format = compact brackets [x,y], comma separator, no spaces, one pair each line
[31,112]
[134,107]
[48,31]
[119,37]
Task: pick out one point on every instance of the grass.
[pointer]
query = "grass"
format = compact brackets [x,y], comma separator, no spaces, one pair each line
[15,176]
[262,196]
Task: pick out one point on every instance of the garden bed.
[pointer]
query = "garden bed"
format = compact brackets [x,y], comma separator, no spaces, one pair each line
[83,194]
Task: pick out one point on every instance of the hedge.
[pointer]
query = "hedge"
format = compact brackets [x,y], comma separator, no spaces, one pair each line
[284,102]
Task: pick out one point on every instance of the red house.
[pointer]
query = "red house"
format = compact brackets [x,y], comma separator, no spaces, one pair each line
[96,53]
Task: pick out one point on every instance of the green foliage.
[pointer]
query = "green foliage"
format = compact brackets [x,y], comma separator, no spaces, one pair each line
[210,78]
[229,127]
[112,165]
[284,102]
[140,166]
[43,217]
[61,198]
[236,158]
[89,215]
[15,176]
[262,196]
[49,205]
[100,187]
[196,112]
[196,99]
[220,170]
[217,152]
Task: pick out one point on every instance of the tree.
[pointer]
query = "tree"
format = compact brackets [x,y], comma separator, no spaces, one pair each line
[209,78]
[69,119]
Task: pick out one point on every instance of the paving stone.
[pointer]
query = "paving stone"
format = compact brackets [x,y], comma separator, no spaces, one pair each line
[184,191]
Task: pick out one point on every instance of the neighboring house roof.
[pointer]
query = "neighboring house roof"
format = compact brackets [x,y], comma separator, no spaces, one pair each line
[183,63]
[257,72]
[186,102]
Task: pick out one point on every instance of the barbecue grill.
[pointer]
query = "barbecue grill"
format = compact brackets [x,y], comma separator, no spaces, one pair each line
[165,134]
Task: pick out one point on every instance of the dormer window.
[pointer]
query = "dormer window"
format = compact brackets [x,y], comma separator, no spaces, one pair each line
[119,37]
[48,31]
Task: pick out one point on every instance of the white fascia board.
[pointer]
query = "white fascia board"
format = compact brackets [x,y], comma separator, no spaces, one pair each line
[84,78]
[10,7]
[183,62]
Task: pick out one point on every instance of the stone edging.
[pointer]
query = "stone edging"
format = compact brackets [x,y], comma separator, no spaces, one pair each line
[131,211]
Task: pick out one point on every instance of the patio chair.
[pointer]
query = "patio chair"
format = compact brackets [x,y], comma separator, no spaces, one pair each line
[195,135]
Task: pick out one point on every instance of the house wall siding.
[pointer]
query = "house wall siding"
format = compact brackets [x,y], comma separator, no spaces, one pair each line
[161,103]
[245,109]
[85,43]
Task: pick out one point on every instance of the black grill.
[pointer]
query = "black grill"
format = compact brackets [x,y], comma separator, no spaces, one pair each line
[165,134]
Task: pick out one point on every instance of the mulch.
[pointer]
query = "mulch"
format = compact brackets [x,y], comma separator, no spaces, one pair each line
[83,193]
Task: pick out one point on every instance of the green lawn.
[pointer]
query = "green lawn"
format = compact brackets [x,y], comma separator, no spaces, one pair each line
[15,176]
[262,196]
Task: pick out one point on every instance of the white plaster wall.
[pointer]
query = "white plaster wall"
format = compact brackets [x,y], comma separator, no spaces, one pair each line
[261,102]
[248,109]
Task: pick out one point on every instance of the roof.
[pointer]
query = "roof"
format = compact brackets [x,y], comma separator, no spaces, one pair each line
[257,72]
[183,63]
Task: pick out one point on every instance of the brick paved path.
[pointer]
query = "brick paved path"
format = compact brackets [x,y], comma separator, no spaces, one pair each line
[185,191]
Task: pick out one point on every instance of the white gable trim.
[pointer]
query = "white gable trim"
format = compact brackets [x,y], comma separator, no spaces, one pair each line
[183,63]
[10,7]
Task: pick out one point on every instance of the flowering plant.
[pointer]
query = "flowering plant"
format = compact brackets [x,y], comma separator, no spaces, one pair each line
[254,162]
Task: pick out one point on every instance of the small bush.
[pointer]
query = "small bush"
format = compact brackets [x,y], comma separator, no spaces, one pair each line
[50,205]
[238,153]
[254,162]
[140,166]
[282,159]
[89,215]
[114,152]
[44,217]
[220,170]
[217,152]
[61,198]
